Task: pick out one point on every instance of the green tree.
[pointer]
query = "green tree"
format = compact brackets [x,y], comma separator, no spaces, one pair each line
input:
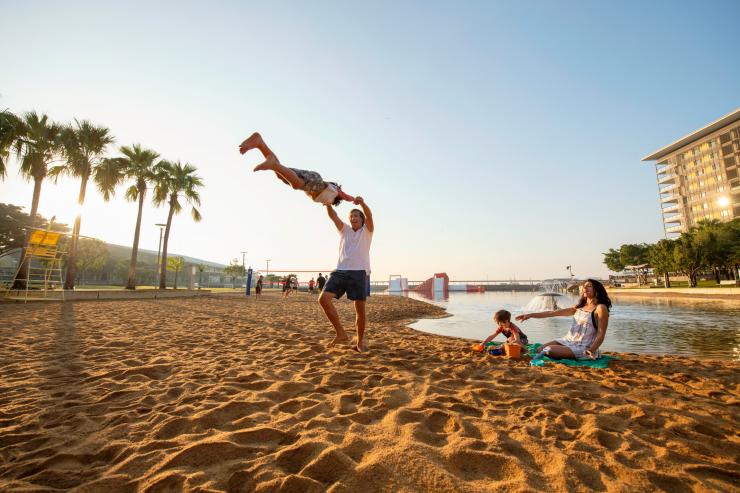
[11,130]
[661,258]
[13,224]
[729,245]
[688,256]
[234,269]
[39,144]
[138,165]
[84,145]
[613,260]
[175,264]
[175,182]
[92,256]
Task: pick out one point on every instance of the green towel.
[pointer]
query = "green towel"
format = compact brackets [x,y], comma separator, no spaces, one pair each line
[602,362]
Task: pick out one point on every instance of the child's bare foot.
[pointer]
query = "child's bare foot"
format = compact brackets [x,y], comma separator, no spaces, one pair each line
[338,339]
[252,142]
[270,163]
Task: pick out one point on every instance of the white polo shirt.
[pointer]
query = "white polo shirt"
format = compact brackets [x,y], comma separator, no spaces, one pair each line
[354,248]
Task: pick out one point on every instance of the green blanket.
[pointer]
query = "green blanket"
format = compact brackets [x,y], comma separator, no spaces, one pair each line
[602,362]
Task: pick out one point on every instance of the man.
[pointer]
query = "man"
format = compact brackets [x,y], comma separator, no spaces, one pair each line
[311,284]
[352,270]
[320,281]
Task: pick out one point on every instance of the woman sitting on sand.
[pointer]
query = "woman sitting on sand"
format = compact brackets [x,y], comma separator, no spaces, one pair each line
[323,192]
[590,319]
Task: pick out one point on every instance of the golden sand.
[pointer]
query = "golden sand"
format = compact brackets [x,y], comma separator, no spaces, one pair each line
[229,394]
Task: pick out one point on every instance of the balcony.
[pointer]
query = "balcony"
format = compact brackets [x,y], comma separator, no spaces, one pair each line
[663,169]
[674,229]
[670,198]
[670,208]
[669,188]
[676,218]
[667,179]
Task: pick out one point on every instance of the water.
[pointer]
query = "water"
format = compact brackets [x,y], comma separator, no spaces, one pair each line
[699,328]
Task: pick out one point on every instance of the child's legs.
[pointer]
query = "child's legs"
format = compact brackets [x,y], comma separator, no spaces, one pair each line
[255,141]
[288,175]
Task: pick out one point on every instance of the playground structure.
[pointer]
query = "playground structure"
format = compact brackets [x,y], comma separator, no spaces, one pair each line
[439,283]
[397,284]
[40,270]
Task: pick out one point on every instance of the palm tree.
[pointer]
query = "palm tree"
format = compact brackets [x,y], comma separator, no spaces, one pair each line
[38,145]
[138,165]
[175,181]
[84,145]
[175,264]
[11,130]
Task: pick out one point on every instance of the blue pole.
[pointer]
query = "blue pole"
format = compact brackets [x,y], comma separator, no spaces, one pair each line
[249,279]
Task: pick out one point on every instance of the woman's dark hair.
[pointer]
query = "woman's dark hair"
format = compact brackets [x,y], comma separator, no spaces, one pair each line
[602,298]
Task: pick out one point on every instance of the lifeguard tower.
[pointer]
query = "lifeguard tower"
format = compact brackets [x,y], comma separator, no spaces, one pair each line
[40,270]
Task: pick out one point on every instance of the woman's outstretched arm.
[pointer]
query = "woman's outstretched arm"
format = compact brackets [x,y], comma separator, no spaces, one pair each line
[565,312]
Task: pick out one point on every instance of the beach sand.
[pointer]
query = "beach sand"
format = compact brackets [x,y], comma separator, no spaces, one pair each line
[234,394]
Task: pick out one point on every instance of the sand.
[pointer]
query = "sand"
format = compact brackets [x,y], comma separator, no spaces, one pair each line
[228,394]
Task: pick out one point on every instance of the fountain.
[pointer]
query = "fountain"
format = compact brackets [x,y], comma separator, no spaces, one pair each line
[551,297]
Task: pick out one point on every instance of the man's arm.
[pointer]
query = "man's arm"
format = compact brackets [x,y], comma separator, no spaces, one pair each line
[368,213]
[333,216]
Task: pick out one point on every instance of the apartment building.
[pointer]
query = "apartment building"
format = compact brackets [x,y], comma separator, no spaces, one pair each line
[697,175]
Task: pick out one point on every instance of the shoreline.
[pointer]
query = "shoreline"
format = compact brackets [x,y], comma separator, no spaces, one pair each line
[223,393]
[688,294]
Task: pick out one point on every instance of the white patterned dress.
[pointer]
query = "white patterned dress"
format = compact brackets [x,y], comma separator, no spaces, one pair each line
[581,335]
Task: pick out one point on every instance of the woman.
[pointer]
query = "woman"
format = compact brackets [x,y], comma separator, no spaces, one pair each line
[590,319]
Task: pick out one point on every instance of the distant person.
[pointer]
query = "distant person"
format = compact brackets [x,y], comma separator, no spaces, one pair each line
[588,329]
[513,334]
[294,283]
[258,286]
[311,285]
[320,281]
[323,192]
[352,270]
[286,286]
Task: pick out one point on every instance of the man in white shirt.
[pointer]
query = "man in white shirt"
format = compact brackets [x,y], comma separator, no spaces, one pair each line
[353,267]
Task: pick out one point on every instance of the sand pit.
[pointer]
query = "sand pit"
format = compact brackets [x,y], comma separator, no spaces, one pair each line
[228,394]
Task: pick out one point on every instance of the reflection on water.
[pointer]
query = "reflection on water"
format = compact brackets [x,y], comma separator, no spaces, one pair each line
[702,328]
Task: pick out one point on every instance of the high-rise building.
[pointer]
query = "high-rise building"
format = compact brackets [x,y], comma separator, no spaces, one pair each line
[698,175]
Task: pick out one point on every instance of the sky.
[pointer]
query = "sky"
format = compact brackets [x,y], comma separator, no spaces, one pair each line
[491,140]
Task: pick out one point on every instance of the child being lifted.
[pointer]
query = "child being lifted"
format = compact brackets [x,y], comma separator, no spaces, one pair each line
[323,192]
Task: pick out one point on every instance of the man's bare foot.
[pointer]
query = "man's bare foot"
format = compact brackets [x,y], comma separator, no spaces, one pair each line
[360,347]
[252,142]
[270,163]
[343,339]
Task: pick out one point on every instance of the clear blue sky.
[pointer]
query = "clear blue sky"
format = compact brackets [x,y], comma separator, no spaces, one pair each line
[491,139]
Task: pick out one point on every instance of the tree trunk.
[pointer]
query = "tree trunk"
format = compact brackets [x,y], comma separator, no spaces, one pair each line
[163,269]
[667,280]
[69,282]
[22,277]
[716,275]
[131,282]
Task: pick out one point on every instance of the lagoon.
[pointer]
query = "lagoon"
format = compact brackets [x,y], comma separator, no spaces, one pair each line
[662,326]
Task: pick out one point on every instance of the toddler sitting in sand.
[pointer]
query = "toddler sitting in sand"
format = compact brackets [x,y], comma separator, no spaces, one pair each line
[514,334]
[323,192]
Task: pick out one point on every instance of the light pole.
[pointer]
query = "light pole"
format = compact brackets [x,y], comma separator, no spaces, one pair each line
[243,256]
[159,249]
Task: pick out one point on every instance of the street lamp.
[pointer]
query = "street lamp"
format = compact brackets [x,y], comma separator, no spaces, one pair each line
[268,267]
[243,256]
[159,249]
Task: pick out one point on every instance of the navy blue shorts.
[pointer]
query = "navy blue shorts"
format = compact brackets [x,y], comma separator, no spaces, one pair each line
[352,282]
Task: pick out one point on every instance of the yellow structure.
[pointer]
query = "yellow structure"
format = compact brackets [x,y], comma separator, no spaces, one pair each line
[44,267]
[698,175]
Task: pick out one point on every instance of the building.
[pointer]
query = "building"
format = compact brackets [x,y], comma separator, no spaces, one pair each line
[698,175]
